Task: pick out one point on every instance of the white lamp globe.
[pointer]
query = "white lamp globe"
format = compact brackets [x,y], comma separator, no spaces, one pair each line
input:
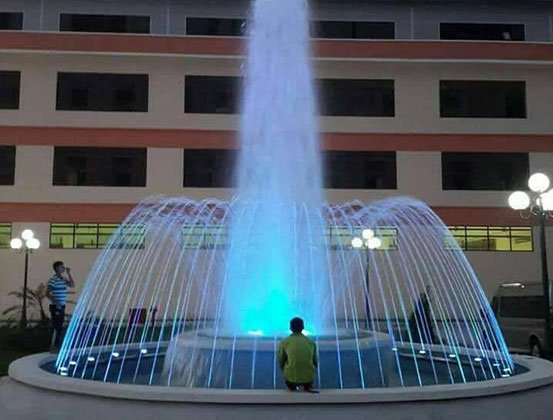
[16,243]
[547,201]
[519,200]
[27,234]
[33,243]
[357,243]
[539,182]
[374,243]
[368,234]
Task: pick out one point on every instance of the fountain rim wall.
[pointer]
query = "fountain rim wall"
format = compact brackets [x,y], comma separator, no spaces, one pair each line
[28,371]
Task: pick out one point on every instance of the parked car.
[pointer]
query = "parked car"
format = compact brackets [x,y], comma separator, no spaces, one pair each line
[519,308]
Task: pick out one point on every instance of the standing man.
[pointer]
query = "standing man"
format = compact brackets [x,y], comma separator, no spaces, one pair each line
[297,358]
[57,293]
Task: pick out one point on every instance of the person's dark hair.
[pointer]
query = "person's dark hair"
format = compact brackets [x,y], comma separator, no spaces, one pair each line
[56,265]
[296,325]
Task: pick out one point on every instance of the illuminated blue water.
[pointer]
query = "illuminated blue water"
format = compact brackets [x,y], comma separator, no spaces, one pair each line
[198,294]
[276,232]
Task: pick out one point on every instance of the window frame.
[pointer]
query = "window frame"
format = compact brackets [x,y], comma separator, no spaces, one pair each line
[97,244]
[3,233]
[109,106]
[365,158]
[21,20]
[61,13]
[138,169]
[451,161]
[17,104]
[315,31]
[461,241]
[465,111]
[12,168]
[513,24]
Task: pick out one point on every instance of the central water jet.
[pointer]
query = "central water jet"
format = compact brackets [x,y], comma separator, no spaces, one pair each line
[277,262]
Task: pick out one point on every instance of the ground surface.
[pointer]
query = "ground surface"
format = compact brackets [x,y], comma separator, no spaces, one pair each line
[21,402]
[8,356]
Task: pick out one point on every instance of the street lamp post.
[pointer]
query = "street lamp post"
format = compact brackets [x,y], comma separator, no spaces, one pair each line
[368,242]
[539,202]
[27,244]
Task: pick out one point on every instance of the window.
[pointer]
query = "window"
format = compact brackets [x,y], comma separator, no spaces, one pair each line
[104,23]
[96,236]
[357,98]
[102,92]
[354,30]
[522,307]
[11,20]
[209,168]
[5,235]
[215,26]
[484,171]
[340,97]
[490,238]
[7,165]
[361,170]
[482,31]
[205,237]
[100,167]
[211,94]
[9,89]
[339,237]
[482,99]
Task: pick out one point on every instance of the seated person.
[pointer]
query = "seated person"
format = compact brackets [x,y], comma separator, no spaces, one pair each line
[297,358]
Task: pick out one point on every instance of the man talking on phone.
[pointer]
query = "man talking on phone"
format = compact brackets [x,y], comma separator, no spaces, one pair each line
[57,293]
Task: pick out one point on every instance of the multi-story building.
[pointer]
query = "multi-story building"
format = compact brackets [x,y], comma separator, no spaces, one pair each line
[103,103]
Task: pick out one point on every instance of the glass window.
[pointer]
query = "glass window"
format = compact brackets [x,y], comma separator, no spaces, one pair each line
[209,168]
[62,236]
[521,239]
[353,30]
[215,26]
[211,94]
[522,307]
[132,236]
[339,97]
[489,238]
[102,92]
[7,165]
[9,89]
[86,236]
[360,170]
[100,167]
[357,98]
[484,171]
[5,235]
[11,20]
[105,232]
[104,23]
[482,99]
[482,31]
[205,237]
[96,236]
[339,237]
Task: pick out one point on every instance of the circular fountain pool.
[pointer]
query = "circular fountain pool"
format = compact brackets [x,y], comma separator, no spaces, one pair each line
[34,384]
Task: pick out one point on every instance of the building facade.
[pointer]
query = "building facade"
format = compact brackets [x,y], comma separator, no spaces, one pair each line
[103,103]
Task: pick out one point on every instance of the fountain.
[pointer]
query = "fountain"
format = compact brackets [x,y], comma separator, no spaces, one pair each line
[225,278]
[191,298]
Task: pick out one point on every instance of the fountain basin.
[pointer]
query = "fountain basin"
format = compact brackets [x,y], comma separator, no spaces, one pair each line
[30,390]
[348,359]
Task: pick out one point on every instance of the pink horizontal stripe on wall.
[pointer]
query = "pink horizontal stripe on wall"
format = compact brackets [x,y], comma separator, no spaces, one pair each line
[212,139]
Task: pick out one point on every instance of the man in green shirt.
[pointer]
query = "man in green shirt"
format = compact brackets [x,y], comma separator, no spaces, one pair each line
[297,358]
